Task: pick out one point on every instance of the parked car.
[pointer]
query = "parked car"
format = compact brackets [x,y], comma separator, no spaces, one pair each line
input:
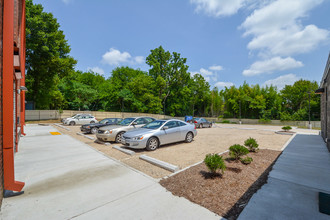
[80,119]
[94,127]
[202,123]
[115,132]
[159,132]
[75,115]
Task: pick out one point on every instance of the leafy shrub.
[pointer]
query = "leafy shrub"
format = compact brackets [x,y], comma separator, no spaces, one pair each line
[225,121]
[252,144]
[246,160]
[284,116]
[286,128]
[237,150]
[214,162]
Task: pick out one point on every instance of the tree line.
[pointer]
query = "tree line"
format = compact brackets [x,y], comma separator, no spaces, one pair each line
[166,88]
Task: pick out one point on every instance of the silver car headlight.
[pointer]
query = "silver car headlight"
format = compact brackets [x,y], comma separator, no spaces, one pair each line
[138,138]
[108,132]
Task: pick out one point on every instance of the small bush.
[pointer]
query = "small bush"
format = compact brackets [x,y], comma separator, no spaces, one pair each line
[252,144]
[225,121]
[286,128]
[237,150]
[246,160]
[214,162]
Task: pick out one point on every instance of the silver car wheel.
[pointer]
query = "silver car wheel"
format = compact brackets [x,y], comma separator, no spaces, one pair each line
[119,137]
[72,123]
[189,137]
[152,144]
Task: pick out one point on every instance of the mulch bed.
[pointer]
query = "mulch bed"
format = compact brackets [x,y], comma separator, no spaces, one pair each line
[226,194]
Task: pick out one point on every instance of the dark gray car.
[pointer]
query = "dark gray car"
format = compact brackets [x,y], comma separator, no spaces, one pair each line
[202,123]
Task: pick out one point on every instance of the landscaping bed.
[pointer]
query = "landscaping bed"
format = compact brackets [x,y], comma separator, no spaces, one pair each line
[225,194]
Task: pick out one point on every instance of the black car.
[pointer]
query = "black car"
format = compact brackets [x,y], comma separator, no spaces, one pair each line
[93,128]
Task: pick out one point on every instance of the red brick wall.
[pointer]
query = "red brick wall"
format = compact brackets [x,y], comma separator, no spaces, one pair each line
[1,157]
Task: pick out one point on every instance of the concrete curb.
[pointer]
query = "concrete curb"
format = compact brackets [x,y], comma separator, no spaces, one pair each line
[288,142]
[195,164]
[284,133]
[101,142]
[159,163]
[61,126]
[85,136]
[126,151]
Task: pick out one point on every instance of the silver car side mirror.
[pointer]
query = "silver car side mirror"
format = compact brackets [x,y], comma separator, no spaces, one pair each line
[165,127]
[134,123]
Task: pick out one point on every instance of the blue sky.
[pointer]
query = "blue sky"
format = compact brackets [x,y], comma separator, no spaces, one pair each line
[227,41]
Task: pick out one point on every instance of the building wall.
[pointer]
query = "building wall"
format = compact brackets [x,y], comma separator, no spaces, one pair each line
[1,156]
[325,104]
[12,45]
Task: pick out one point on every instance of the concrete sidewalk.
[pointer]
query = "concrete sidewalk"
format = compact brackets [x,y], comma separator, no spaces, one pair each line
[66,179]
[302,170]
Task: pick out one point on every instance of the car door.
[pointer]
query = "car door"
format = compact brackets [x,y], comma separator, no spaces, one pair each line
[171,134]
[86,119]
[183,130]
[79,120]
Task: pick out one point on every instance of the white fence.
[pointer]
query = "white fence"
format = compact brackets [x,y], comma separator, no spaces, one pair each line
[37,115]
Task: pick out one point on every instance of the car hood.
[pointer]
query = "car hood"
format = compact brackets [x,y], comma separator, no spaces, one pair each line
[112,127]
[138,132]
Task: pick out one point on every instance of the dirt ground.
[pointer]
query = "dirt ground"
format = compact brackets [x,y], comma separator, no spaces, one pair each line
[208,140]
[225,194]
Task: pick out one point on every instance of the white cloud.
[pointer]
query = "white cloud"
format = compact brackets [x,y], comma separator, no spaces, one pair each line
[205,72]
[281,81]
[271,65]
[139,59]
[222,85]
[277,28]
[96,69]
[217,8]
[216,68]
[115,57]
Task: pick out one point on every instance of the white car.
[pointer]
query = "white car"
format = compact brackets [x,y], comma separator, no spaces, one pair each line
[75,115]
[80,119]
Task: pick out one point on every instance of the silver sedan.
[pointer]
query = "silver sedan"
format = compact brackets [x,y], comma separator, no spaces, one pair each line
[159,132]
[115,132]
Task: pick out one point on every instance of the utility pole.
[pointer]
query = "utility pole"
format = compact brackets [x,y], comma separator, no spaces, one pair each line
[309,110]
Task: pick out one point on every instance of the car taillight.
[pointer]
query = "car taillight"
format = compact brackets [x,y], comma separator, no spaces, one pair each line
[195,122]
[195,126]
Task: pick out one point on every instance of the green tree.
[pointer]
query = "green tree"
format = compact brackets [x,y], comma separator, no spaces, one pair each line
[296,100]
[47,57]
[170,73]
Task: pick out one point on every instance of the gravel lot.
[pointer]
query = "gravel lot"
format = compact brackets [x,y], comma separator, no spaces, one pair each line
[208,140]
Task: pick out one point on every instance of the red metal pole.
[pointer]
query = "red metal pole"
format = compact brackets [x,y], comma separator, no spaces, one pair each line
[22,56]
[8,97]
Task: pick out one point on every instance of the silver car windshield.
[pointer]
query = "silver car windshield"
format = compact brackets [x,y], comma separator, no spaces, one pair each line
[126,121]
[154,125]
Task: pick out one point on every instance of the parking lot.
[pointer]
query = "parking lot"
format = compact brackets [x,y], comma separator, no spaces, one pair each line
[209,140]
